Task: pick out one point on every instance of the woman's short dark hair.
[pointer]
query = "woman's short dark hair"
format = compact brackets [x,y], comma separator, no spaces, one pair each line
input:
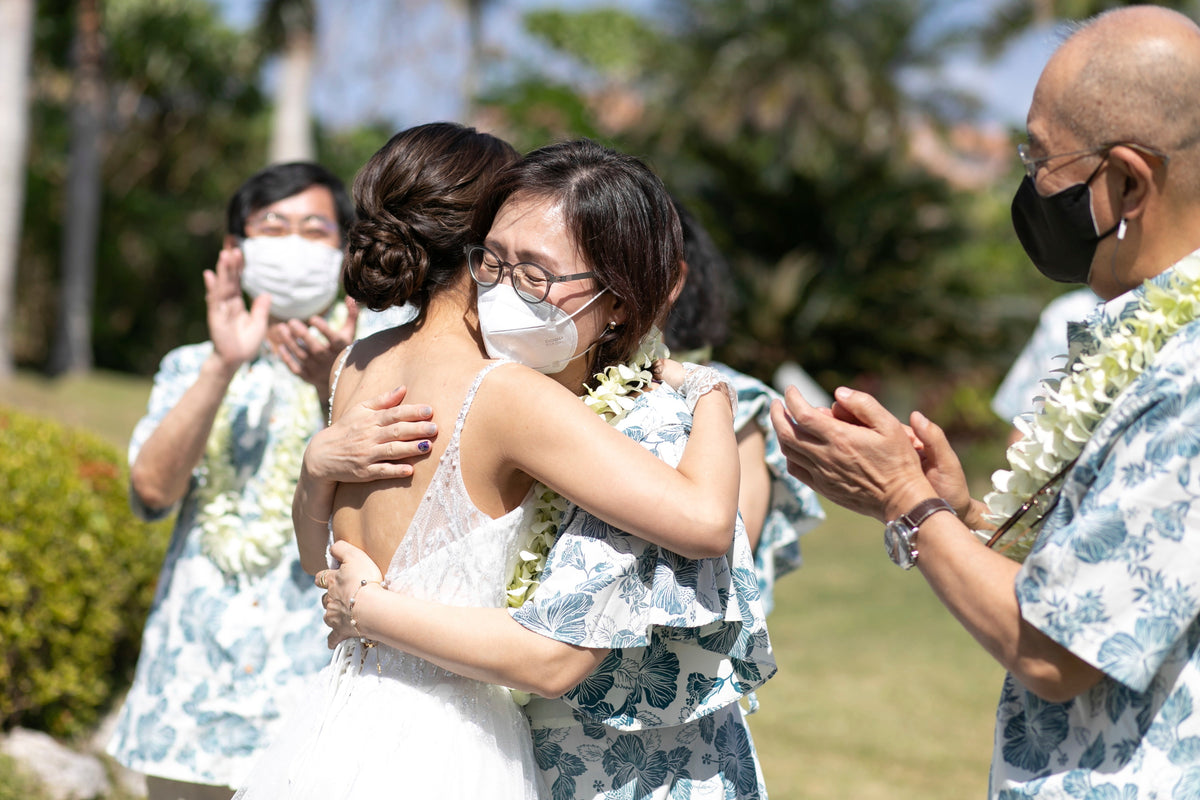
[620,218]
[414,200]
[280,181]
[700,316]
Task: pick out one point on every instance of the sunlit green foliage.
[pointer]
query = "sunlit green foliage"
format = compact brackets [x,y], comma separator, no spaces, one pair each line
[188,125]
[78,575]
[784,128]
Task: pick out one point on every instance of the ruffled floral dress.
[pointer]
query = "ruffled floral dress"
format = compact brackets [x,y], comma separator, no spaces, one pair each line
[659,718]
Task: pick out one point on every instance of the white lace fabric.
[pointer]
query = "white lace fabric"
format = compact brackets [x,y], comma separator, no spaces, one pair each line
[699,380]
[379,722]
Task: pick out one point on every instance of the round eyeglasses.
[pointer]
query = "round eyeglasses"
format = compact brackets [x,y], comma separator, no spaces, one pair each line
[313,226]
[532,282]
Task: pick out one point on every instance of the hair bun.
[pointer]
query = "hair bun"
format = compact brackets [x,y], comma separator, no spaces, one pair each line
[414,198]
[385,263]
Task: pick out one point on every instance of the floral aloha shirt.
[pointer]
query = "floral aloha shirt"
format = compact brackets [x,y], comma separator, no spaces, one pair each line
[794,508]
[659,718]
[222,655]
[1115,578]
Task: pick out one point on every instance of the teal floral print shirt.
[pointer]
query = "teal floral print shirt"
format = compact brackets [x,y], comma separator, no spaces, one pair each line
[659,718]
[1115,578]
[222,656]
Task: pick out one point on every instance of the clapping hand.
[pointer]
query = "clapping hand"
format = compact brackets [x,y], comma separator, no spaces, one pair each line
[236,333]
[857,454]
[938,460]
[310,348]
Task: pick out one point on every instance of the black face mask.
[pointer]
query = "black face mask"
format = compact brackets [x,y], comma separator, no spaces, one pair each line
[1058,232]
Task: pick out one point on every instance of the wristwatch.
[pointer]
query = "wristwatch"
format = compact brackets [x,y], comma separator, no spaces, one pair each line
[900,535]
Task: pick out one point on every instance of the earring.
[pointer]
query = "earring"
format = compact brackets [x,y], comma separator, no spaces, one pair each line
[612,326]
[1121,231]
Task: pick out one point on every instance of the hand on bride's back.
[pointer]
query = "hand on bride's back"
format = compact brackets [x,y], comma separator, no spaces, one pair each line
[373,440]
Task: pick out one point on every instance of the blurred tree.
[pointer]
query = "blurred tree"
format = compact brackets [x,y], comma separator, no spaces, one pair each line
[185,126]
[781,124]
[1011,18]
[73,333]
[288,28]
[471,75]
[16,41]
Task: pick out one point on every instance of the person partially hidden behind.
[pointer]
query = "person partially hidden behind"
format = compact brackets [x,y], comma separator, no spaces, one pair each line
[1098,627]
[1041,356]
[776,508]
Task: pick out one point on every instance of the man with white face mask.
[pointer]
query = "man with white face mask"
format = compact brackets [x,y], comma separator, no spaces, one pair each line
[236,624]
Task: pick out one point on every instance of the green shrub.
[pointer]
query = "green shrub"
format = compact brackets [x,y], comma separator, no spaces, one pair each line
[77,574]
[17,784]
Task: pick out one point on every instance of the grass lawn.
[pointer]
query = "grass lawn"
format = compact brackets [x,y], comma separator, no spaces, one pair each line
[880,694]
[106,403]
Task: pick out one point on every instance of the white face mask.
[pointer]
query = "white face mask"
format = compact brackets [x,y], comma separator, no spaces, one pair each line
[541,336]
[301,276]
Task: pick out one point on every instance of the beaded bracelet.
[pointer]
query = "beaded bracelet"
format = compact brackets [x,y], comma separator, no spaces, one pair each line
[354,598]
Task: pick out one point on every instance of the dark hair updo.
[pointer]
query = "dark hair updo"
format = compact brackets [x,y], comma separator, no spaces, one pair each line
[414,200]
[620,219]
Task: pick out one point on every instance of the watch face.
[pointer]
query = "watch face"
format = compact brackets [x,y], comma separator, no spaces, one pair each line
[896,538]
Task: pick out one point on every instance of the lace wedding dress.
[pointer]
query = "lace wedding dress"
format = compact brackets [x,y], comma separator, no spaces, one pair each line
[381,723]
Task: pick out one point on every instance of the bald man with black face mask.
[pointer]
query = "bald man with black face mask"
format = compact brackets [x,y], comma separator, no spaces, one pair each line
[1080,574]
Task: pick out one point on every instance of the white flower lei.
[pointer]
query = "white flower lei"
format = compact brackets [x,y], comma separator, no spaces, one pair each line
[1074,404]
[612,396]
[245,522]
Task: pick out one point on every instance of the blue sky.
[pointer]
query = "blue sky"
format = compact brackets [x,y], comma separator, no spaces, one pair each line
[401,61]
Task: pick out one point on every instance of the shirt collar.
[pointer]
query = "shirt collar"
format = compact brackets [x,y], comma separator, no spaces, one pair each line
[1084,337]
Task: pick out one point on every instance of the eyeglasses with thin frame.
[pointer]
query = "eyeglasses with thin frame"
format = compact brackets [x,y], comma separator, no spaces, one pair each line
[1032,165]
[313,226]
[1043,500]
[532,282]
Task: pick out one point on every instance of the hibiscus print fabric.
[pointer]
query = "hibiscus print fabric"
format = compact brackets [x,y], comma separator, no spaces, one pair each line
[659,718]
[1115,578]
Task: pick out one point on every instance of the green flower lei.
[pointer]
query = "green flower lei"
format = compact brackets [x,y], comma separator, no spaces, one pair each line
[612,394]
[1075,403]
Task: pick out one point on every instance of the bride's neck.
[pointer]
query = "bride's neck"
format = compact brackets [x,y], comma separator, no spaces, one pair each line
[451,311]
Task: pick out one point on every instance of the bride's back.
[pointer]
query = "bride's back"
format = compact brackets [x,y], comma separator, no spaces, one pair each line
[413,200]
[438,363]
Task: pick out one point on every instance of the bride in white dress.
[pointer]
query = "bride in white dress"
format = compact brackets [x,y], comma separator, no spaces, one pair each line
[385,723]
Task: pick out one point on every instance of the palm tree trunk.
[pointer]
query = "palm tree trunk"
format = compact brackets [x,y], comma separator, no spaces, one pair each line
[471,76]
[81,222]
[16,45]
[292,135]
